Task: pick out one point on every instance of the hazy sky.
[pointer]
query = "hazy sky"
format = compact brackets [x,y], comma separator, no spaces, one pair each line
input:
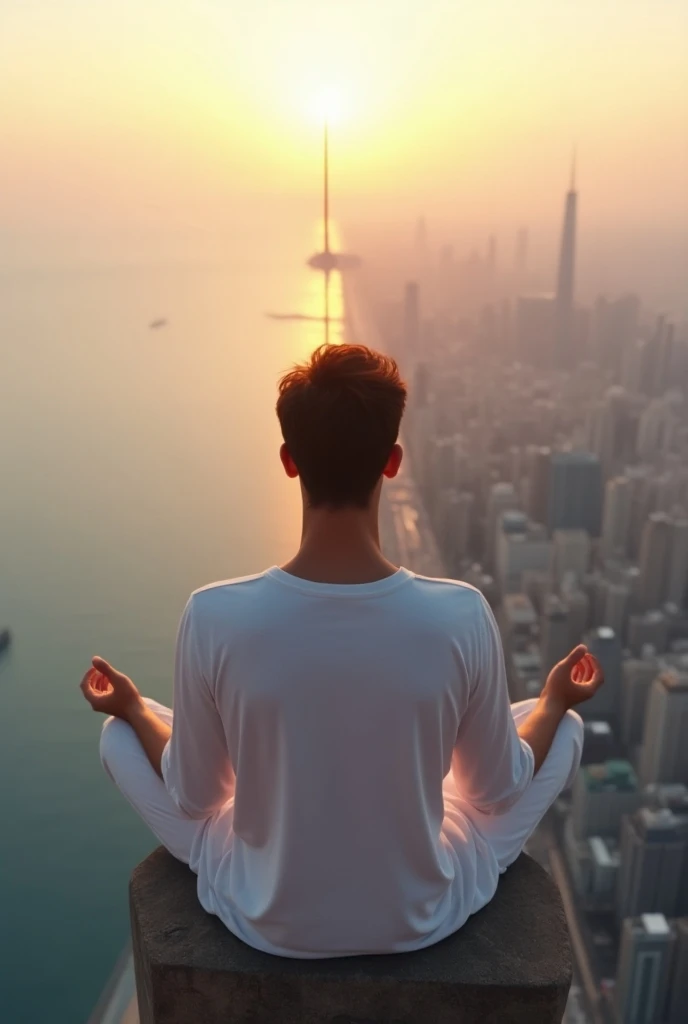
[174,111]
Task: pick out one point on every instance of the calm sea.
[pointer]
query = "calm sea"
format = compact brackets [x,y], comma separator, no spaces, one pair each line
[135,465]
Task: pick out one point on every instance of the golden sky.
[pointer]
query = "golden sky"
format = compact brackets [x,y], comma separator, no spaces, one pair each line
[181,104]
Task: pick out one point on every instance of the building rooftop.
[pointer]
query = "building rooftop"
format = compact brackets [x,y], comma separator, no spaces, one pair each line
[575,458]
[662,824]
[519,610]
[655,924]
[612,775]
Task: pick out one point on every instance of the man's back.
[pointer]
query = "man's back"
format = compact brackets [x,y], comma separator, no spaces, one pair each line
[332,714]
[343,770]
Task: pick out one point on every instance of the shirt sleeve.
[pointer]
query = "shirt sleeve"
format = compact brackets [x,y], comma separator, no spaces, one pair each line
[491,764]
[195,762]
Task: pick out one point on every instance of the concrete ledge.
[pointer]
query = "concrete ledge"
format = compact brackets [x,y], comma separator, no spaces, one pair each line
[510,964]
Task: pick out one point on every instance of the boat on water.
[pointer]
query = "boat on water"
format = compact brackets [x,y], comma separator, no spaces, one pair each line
[155,324]
[5,639]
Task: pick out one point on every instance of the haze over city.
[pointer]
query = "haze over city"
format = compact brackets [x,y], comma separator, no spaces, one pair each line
[164,127]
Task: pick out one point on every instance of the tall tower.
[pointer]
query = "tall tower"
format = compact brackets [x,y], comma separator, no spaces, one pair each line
[616,522]
[664,755]
[655,559]
[411,327]
[554,633]
[575,492]
[678,570]
[643,978]
[564,310]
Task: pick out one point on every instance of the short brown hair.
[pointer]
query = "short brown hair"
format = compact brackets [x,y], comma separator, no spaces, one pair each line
[340,414]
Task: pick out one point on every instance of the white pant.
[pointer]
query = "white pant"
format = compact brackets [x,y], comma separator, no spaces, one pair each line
[126,763]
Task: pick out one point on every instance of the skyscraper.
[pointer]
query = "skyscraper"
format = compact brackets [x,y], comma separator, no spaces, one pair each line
[570,554]
[606,647]
[575,492]
[616,524]
[502,496]
[411,326]
[664,755]
[653,857]
[677,588]
[662,358]
[614,329]
[535,319]
[539,461]
[678,990]
[563,307]
[554,637]
[607,427]
[521,547]
[454,526]
[637,676]
[644,970]
[634,365]
[578,604]
[616,604]
[655,548]
[602,794]
[648,629]
[421,385]
[658,427]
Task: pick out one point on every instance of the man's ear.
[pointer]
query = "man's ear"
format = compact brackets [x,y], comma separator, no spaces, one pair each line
[288,463]
[393,462]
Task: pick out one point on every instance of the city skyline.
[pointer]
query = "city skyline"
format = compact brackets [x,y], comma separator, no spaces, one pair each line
[550,441]
[199,125]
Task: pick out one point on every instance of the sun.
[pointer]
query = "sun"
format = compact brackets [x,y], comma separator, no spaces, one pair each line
[328,104]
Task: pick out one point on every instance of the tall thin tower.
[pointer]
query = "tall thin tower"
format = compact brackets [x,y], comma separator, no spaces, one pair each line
[564,309]
[328,261]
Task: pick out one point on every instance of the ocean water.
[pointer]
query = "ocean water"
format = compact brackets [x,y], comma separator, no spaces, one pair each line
[135,465]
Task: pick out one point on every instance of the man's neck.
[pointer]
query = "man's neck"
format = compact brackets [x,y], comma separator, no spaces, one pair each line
[340,546]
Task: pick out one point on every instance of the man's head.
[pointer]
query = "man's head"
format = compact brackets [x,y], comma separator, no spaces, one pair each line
[340,414]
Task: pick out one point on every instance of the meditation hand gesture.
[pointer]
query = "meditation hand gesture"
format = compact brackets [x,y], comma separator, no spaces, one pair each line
[575,679]
[110,691]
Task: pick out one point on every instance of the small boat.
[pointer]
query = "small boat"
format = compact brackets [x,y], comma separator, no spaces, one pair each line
[5,639]
[155,324]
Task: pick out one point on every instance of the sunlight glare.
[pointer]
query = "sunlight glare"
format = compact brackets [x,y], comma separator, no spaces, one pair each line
[328,105]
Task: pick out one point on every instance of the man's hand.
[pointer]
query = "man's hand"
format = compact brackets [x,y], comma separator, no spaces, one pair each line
[110,691]
[575,679]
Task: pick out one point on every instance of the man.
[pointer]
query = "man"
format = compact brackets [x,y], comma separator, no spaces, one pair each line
[343,772]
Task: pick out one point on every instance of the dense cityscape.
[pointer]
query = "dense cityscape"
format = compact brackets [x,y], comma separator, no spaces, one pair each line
[549,444]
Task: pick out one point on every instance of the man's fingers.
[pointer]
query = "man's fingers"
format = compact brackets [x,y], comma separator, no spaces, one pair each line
[576,655]
[106,669]
[88,681]
[597,672]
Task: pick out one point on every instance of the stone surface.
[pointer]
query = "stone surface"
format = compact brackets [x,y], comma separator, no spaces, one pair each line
[509,964]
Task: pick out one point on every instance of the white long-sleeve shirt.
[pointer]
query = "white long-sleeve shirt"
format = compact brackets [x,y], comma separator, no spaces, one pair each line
[322,729]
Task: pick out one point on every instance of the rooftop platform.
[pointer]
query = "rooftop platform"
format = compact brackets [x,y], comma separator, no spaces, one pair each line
[510,964]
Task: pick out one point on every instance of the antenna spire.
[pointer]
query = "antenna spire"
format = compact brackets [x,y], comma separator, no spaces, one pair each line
[326,186]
